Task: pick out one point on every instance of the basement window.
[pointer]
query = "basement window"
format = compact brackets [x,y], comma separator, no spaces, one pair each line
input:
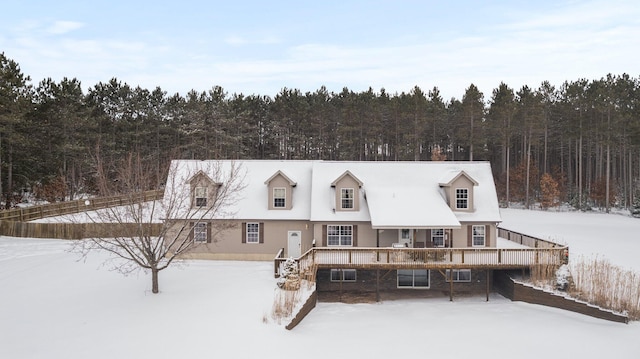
[413,278]
[459,275]
[343,275]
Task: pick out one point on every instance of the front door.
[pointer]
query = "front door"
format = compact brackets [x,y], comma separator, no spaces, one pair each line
[405,236]
[294,248]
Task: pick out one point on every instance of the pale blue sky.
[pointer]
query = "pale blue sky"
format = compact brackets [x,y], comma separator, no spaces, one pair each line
[259,47]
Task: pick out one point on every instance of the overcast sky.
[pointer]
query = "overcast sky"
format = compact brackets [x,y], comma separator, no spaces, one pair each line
[260,47]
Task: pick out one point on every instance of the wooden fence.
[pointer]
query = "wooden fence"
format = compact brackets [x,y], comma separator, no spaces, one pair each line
[15,223]
[70,207]
[76,230]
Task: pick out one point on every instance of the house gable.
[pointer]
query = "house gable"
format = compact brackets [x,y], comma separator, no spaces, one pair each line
[459,191]
[347,189]
[203,190]
[280,191]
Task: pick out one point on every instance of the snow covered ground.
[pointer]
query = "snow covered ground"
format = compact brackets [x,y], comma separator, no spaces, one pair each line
[54,306]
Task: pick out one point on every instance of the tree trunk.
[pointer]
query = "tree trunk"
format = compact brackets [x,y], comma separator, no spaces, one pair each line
[471,141]
[527,203]
[9,177]
[154,281]
[508,169]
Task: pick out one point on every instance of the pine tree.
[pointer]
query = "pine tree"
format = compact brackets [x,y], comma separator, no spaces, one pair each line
[635,208]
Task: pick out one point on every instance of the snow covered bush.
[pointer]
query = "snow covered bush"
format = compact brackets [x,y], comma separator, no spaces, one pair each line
[290,277]
[563,277]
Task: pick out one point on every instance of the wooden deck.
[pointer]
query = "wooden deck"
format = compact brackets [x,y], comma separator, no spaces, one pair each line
[539,252]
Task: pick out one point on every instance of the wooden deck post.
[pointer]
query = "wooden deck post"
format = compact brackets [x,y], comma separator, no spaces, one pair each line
[450,285]
[378,244]
[488,270]
[377,285]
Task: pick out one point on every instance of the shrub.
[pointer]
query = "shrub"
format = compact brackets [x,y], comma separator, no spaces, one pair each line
[549,191]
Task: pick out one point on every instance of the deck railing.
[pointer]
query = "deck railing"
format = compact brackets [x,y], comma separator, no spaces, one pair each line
[526,240]
[431,257]
[541,253]
[278,262]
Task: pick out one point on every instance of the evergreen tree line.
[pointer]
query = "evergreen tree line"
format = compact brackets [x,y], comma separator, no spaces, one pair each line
[584,135]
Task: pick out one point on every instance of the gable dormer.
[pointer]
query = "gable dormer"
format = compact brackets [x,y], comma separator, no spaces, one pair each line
[459,188]
[203,190]
[347,187]
[280,191]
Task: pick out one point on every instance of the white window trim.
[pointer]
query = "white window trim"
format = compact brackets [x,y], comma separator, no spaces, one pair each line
[341,275]
[343,191]
[473,236]
[250,234]
[433,236]
[465,198]
[200,192]
[284,189]
[200,232]
[340,228]
[456,276]
[413,286]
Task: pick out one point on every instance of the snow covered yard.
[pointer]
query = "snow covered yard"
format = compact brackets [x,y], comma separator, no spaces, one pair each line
[615,237]
[52,306]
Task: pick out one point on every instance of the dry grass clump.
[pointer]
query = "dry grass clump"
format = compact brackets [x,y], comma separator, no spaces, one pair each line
[286,303]
[543,276]
[597,281]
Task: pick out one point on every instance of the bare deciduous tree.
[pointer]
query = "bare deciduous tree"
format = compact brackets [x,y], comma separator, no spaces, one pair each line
[150,235]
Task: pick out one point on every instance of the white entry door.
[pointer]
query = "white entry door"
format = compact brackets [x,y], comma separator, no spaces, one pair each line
[294,248]
[405,236]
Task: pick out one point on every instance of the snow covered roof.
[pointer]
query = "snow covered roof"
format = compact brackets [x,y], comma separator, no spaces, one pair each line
[280,173]
[392,194]
[452,176]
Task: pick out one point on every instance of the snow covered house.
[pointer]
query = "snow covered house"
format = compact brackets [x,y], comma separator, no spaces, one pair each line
[419,225]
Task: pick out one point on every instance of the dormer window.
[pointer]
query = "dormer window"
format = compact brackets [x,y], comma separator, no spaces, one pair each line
[203,190]
[462,198]
[279,191]
[459,187]
[346,198]
[279,197]
[200,196]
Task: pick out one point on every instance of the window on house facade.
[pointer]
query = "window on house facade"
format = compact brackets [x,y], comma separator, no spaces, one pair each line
[478,236]
[413,278]
[437,237]
[200,196]
[200,232]
[279,197]
[339,235]
[253,232]
[459,275]
[343,275]
[346,198]
[462,198]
